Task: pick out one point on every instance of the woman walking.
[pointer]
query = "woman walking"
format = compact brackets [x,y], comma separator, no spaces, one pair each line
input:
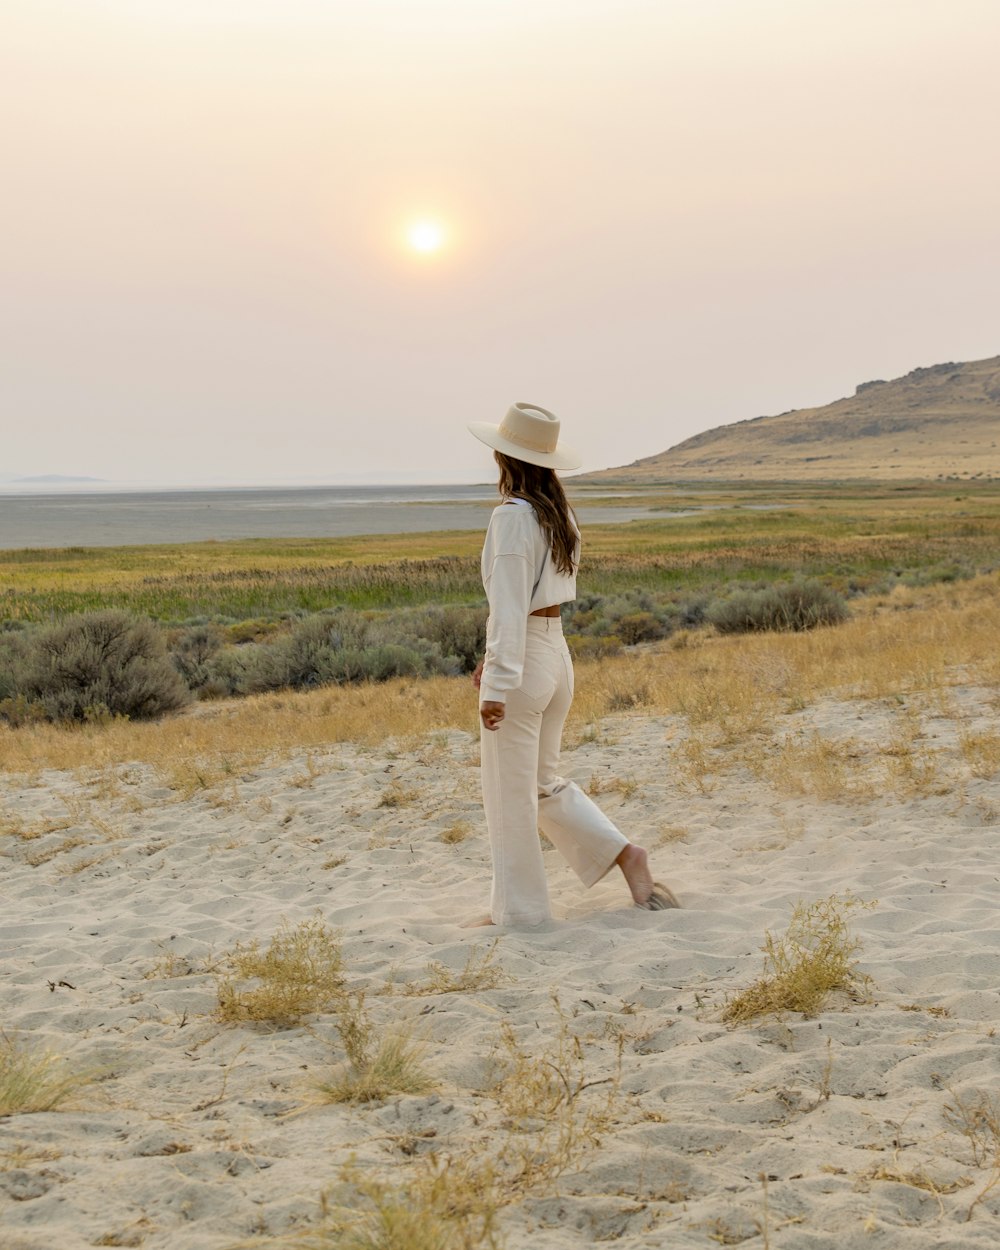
[525,683]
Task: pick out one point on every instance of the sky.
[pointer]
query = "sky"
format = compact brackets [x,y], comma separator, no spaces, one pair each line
[653,217]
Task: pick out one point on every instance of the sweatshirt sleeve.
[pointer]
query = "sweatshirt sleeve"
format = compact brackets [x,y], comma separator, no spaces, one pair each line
[510,579]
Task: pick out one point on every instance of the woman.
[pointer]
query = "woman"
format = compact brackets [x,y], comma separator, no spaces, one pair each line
[525,683]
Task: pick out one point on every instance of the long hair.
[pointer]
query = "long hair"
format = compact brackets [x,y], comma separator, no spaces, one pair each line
[543,490]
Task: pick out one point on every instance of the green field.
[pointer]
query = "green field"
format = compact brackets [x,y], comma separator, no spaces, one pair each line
[855,538]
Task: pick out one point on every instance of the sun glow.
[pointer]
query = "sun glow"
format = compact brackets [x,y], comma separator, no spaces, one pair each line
[425,236]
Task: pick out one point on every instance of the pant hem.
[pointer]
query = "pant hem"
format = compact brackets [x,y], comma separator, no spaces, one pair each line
[525,920]
[596,872]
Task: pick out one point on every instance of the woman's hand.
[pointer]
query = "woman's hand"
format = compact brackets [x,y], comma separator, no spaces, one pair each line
[491,714]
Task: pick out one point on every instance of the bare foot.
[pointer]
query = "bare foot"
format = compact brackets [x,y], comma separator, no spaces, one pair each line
[633,862]
[479,923]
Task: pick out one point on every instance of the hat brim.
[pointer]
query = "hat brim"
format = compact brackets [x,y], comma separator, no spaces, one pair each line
[562,458]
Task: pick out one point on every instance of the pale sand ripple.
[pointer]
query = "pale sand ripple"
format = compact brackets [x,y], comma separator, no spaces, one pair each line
[196,1135]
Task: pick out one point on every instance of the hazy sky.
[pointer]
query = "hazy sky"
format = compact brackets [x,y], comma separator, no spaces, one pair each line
[657,216]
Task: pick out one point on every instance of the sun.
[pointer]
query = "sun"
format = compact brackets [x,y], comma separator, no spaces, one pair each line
[426,236]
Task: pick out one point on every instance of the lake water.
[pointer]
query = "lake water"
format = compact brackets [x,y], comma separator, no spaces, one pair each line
[121,518]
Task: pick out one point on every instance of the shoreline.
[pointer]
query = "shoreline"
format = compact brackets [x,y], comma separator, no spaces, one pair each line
[94,519]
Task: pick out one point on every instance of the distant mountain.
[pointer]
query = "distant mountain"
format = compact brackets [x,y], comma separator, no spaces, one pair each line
[53,477]
[942,421]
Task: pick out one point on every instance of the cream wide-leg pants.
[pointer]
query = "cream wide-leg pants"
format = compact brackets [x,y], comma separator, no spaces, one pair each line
[522,791]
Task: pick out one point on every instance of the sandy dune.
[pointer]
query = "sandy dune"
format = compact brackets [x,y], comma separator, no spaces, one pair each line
[196,1136]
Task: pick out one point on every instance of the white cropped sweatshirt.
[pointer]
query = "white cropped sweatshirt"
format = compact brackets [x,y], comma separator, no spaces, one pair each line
[519,575]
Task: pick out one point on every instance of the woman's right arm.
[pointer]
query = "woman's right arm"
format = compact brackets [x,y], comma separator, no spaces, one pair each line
[510,584]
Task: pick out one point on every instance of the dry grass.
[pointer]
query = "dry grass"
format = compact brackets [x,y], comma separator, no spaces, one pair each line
[170,966]
[299,975]
[981,752]
[479,972]
[377,1067]
[543,1088]
[34,1079]
[918,1180]
[452,1200]
[816,766]
[801,968]
[449,1202]
[910,641]
[22,1154]
[455,833]
[667,834]
[396,794]
[625,786]
[44,854]
[12,826]
[977,1119]
[695,766]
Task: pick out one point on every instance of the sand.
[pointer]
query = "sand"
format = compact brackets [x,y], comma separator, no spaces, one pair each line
[202,1135]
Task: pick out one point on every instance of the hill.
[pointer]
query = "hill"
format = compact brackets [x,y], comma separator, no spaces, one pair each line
[937,422]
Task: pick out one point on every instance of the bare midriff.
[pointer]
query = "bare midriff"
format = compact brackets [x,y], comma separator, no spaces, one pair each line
[553,610]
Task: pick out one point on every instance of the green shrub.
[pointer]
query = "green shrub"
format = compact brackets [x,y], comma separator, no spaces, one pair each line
[634,616]
[99,664]
[192,653]
[339,648]
[13,655]
[789,606]
[588,647]
[640,627]
[457,632]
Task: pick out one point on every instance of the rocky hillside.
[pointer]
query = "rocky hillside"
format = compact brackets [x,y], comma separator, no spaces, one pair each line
[938,422]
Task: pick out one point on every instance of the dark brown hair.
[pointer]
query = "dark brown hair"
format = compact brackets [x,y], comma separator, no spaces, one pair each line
[543,490]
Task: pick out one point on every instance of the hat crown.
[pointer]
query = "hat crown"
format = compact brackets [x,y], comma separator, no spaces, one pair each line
[530,433]
[531,427]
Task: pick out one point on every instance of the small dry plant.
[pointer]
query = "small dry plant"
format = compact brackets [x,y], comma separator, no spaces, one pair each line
[377,1067]
[299,975]
[544,1088]
[14,826]
[171,965]
[917,1180]
[981,751]
[836,771]
[977,1118]
[453,1200]
[33,1079]
[449,1202]
[625,786]
[456,832]
[695,767]
[801,967]
[397,795]
[479,972]
[668,833]
[22,1154]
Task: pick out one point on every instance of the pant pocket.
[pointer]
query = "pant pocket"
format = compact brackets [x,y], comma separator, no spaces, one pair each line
[538,689]
[539,678]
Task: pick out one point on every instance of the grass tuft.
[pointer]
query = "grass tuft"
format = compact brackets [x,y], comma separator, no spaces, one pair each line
[802,967]
[299,975]
[33,1079]
[456,832]
[977,1119]
[479,972]
[376,1067]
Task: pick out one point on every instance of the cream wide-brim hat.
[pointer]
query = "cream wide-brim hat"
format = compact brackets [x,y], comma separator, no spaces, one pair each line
[528,433]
